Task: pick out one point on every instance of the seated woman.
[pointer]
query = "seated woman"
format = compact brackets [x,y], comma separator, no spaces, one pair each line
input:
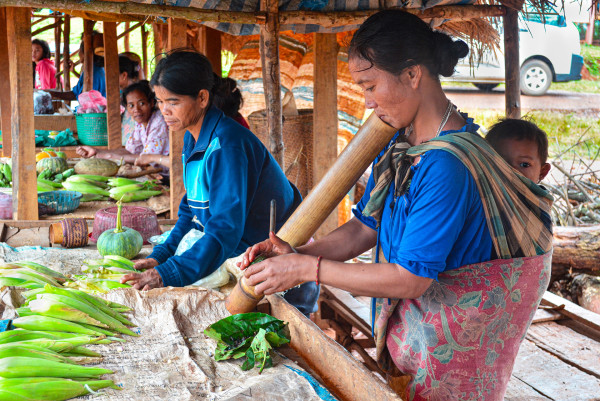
[45,72]
[129,73]
[149,142]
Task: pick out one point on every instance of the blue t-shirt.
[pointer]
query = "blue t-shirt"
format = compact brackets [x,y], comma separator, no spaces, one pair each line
[99,83]
[439,224]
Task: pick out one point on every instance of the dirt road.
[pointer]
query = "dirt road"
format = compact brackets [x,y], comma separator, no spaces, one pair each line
[469,99]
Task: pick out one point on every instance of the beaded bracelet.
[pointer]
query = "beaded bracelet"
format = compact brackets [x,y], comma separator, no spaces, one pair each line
[318,266]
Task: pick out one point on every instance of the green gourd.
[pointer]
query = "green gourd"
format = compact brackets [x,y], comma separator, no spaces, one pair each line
[122,241]
[53,164]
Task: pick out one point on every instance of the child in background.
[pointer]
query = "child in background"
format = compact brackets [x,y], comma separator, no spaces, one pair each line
[44,67]
[523,145]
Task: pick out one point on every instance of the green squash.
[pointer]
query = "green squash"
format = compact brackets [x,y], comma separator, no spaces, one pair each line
[56,165]
[122,241]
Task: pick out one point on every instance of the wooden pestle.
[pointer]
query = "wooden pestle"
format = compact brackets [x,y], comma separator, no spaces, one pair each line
[370,139]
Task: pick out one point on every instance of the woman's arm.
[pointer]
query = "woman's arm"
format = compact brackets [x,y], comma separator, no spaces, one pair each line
[114,154]
[145,159]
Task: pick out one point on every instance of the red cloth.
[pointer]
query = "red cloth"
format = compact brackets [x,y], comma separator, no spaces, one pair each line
[45,74]
[241,120]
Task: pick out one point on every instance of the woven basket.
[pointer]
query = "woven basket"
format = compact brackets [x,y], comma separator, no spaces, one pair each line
[60,202]
[141,219]
[91,129]
[298,142]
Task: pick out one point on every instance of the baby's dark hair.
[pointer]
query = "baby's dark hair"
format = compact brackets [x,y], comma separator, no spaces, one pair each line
[521,130]
[142,87]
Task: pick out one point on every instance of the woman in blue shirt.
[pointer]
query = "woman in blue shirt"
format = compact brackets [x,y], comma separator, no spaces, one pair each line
[230,179]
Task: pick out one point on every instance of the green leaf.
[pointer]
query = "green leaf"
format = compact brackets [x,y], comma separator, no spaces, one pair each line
[249,362]
[470,300]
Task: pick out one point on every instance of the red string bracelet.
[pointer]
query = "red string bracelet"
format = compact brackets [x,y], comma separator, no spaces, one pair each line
[318,266]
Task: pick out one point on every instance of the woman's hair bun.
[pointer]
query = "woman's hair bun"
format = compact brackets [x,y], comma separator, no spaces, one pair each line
[447,52]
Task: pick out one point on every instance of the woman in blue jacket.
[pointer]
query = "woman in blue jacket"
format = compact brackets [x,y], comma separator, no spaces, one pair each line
[230,179]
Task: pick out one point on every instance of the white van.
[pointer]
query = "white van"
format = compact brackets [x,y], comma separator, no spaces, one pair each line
[549,52]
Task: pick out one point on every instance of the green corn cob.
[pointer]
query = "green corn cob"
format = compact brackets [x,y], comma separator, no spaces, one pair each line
[54,308]
[121,181]
[40,269]
[31,351]
[43,187]
[85,188]
[92,302]
[7,171]
[49,389]
[22,335]
[120,259]
[99,178]
[83,180]
[118,191]
[11,282]
[25,311]
[28,275]
[104,286]
[105,332]
[136,196]
[46,323]
[72,345]
[93,198]
[21,366]
[107,320]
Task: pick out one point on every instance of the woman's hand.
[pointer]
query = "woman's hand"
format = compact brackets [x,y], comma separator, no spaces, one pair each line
[273,246]
[145,159]
[86,151]
[281,273]
[143,281]
[143,264]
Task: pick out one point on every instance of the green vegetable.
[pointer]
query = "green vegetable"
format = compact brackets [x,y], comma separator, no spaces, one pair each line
[68,173]
[248,334]
[121,181]
[85,188]
[54,164]
[139,195]
[49,183]
[7,171]
[122,241]
[96,166]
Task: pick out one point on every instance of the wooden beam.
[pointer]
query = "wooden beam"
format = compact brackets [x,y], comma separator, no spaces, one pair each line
[127,31]
[325,119]
[113,98]
[126,34]
[209,42]
[177,39]
[57,54]
[144,33]
[5,107]
[511,64]
[571,310]
[25,203]
[66,53]
[271,74]
[88,56]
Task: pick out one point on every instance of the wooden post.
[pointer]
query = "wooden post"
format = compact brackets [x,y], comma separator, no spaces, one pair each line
[144,33]
[5,99]
[25,203]
[511,64]
[325,120]
[88,56]
[158,40]
[271,74]
[177,39]
[67,52]
[57,54]
[209,42]
[589,33]
[126,38]
[113,101]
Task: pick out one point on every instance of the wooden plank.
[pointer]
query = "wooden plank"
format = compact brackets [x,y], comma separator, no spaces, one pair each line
[553,378]
[54,122]
[545,315]
[113,96]
[511,64]
[346,377]
[25,205]
[88,56]
[177,39]
[572,310]
[5,112]
[46,223]
[271,75]
[519,391]
[66,52]
[325,119]
[568,345]
[354,312]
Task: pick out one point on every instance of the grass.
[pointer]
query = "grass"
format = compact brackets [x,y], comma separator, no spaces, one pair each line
[563,130]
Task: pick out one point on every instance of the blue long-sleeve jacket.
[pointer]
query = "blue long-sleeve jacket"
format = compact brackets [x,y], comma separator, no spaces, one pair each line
[230,179]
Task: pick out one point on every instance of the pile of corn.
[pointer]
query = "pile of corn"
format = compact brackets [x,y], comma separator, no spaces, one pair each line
[55,322]
[102,275]
[98,187]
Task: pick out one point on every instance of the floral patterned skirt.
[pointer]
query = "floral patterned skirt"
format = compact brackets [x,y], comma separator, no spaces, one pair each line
[459,340]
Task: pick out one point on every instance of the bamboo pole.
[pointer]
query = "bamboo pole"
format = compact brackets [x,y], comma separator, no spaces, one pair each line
[88,56]
[66,53]
[512,65]
[57,54]
[372,137]
[144,33]
[271,74]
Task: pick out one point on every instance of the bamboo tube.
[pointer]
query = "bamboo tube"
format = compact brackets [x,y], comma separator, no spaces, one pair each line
[323,199]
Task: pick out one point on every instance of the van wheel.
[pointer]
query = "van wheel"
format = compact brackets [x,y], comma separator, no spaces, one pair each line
[485,87]
[536,78]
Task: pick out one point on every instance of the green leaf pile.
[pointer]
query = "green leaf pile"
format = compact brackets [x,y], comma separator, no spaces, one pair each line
[252,335]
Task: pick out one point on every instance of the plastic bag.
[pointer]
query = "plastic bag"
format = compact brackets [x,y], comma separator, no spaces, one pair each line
[42,103]
[91,102]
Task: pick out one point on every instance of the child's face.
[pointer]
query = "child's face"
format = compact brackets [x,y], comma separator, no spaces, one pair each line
[523,156]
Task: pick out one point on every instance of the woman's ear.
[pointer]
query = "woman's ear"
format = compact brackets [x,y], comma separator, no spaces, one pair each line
[414,73]
[203,98]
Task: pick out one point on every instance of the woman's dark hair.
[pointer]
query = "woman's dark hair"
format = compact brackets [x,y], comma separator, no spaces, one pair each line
[142,87]
[227,96]
[129,66]
[185,73]
[45,48]
[520,130]
[393,40]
